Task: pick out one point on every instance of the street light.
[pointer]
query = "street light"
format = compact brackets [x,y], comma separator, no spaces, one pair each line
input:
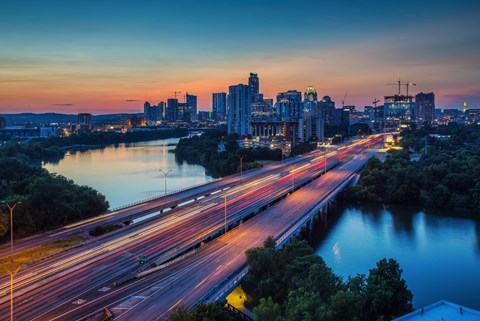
[241,164]
[12,275]
[165,173]
[11,208]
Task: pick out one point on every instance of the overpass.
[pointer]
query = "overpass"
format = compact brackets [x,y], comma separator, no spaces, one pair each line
[80,281]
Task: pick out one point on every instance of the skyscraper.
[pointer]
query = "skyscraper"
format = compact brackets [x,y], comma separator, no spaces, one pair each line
[289,105]
[312,126]
[219,105]
[239,112]
[191,101]
[327,106]
[253,87]
[309,99]
[425,104]
[171,110]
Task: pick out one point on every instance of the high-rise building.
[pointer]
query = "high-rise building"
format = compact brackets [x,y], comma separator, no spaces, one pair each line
[425,104]
[399,109]
[253,87]
[183,113]
[239,114]
[309,99]
[219,105]
[153,113]
[347,112]
[312,124]
[146,109]
[289,105]
[191,101]
[261,109]
[328,110]
[171,110]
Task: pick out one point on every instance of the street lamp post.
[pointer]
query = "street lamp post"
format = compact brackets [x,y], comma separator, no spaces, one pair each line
[241,164]
[12,275]
[11,208]
[165,173]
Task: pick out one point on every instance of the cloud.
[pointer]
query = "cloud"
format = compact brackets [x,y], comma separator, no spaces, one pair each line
[63,105]
[131,100]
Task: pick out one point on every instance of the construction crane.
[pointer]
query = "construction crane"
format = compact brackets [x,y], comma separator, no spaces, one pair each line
[375,101]
[344,97]
[176,92]
[399,83]
[408,84]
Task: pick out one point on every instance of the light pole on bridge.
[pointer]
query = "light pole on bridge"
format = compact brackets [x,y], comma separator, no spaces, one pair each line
[11,208]
[12,275]
[241,164]
[165,173]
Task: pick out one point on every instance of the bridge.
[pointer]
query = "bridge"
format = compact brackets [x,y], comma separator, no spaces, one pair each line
[77,283]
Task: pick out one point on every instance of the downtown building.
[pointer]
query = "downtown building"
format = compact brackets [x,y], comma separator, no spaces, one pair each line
[153,114]
[312,122]
[219,106]
[191,103]
[239,115]
[399,111]
[425,104]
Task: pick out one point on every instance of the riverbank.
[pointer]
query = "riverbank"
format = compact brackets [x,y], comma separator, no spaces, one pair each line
[445,175]
[439,252]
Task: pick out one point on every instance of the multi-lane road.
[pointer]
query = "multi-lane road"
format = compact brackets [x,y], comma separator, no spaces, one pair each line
[77,282]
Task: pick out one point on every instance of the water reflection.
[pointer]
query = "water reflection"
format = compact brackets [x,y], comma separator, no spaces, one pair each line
[440,254]
[127,173]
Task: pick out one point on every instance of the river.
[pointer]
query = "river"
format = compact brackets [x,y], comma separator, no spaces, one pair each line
[440,254]
[128,173]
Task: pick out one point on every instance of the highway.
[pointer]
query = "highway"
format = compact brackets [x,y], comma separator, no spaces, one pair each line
[185,283]
[145,208]
[91,269]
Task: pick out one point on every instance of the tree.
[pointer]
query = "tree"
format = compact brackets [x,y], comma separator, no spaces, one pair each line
[267,310]
[386,292]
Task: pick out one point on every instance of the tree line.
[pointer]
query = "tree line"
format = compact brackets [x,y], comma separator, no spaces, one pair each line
[220,154]
[294,284]
[447,174]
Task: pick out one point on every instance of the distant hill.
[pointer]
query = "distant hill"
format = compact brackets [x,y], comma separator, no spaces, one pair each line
[48,118]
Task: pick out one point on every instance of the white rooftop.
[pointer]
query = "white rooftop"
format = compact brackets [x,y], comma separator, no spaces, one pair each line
[442,311]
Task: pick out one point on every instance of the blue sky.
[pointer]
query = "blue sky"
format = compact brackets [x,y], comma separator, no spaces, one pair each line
[95,55]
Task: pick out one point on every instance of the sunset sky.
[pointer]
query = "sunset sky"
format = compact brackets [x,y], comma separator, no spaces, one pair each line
[110,56]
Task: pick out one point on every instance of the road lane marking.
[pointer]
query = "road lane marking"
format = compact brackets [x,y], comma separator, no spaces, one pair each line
[201,282]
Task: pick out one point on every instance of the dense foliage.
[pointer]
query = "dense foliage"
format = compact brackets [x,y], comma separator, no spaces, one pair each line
[202,312]
[447,176]
[206,150]
[294,284]
[48,200]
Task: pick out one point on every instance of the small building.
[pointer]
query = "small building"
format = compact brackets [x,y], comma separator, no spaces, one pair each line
[442,310]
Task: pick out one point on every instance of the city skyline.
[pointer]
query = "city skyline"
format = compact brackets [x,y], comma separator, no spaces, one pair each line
[112,57]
